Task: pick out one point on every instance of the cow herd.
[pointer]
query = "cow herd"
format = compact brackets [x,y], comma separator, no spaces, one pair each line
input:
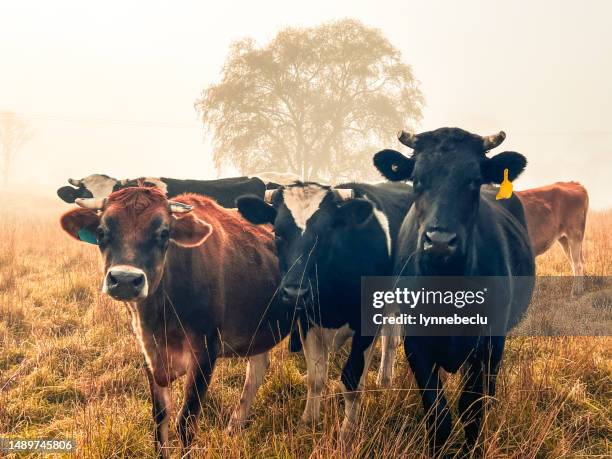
[230,267]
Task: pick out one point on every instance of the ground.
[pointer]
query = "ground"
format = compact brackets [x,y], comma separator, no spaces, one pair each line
[70,368]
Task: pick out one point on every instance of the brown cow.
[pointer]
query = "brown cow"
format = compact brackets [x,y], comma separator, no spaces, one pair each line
[558,212]
[199,282]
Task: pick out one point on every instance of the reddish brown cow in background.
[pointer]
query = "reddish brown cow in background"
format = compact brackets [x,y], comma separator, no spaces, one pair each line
[199,283]
[558,212]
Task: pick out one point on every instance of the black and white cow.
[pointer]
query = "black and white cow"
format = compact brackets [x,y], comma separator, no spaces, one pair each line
[456,228]
[327,239]
[225,191]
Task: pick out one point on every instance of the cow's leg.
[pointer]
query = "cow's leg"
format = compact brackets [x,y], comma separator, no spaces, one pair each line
[353,378]
[255,374]
[198,378]
[390,340]
[340,337]
[575,243]
[480,380]
[316,351]
[572,247]
[426,373]
[160,400]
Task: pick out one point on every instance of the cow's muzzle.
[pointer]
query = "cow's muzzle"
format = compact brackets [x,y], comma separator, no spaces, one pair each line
[293,294]
[126,283]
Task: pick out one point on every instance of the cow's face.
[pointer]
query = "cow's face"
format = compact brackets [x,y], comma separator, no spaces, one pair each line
[310,221]
[92,186]
[133,229]
[447,169]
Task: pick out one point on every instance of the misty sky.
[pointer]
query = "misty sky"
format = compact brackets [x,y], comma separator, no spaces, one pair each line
[109,86]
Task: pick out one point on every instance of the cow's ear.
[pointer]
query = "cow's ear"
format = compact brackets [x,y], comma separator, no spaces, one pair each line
[255,210]
[67,194]
[354,213]
[393,165]
[189,231]
[81,224]
[493,168]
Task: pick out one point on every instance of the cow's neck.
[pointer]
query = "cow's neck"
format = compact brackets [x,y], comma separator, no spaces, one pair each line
[160,335]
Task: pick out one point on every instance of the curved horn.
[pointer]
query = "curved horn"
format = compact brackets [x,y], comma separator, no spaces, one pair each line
[268,195]
[492,141]
[91,203]
[74,182]
[179,207]
[345,193]
[407,138]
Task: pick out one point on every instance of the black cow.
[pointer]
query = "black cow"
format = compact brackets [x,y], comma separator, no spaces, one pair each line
[455,228]
[327,239]
[225,191]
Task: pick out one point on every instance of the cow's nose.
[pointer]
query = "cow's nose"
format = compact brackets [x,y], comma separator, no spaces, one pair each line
[440,242]
[293,293]
[126,283]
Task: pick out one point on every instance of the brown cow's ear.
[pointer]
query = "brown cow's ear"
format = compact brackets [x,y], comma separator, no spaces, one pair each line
[189,231]
[81,224]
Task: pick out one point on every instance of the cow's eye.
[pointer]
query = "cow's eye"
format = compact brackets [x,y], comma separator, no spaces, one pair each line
[164,235]
[417,185]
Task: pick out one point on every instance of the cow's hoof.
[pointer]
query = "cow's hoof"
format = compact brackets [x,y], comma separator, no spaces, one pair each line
[347,432]
[309,418]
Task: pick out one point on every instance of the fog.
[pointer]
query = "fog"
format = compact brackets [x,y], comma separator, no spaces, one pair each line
[110,88]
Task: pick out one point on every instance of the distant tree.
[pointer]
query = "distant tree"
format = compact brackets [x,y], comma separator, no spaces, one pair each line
[14,132]
[315,101]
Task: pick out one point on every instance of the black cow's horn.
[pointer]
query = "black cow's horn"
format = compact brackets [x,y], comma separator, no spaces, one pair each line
[179,207]
[91,203]
[492,141]
[407,139]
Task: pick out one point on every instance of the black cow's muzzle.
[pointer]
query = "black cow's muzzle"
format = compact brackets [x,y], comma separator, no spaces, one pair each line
[439,243]
[295,295]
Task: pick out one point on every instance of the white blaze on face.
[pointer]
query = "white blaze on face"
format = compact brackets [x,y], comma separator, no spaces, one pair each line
[99,185]
[302,202]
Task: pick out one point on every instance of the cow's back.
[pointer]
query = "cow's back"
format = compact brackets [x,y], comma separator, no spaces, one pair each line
[224,191]
[238,268]
[553,211]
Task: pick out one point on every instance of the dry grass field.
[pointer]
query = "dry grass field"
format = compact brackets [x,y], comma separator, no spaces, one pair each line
[70,368]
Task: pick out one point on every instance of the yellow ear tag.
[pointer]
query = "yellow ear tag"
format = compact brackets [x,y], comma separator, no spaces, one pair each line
[505,188]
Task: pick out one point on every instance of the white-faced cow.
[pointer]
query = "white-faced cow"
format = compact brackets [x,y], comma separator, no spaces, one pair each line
[557,213]
[199,282]
[327,239]
[455,228]
[225,191]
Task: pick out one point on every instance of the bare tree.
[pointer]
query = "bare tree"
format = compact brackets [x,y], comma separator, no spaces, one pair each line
[315,101]
[14,132]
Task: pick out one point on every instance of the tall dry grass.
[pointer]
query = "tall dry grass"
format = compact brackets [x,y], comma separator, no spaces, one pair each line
[70,367]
